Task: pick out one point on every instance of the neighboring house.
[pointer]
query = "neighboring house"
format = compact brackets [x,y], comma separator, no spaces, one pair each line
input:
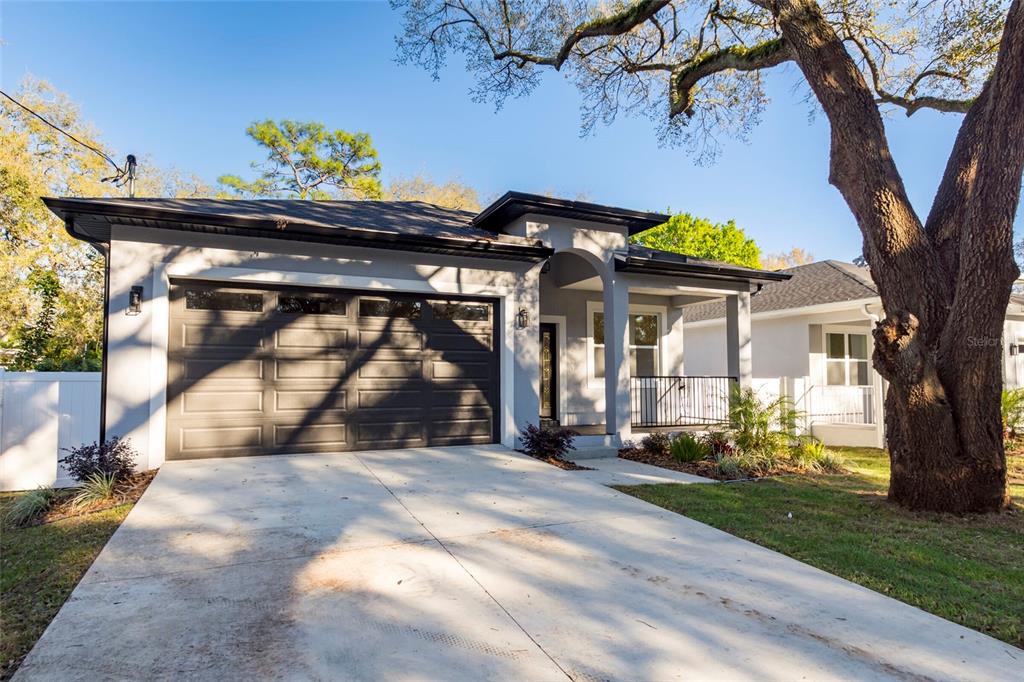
[271,327]
[812,340]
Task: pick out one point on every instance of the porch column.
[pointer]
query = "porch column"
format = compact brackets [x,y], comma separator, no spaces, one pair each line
[616,356]
[737,332]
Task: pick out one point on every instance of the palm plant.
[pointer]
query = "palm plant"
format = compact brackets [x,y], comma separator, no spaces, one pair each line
[761,428]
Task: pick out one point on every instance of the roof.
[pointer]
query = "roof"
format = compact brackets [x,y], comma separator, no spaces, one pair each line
[408,225]
[828,281]
[652,261]
[512,205]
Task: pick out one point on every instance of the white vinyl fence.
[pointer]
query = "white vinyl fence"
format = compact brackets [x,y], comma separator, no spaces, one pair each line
[838,415]
[41,413]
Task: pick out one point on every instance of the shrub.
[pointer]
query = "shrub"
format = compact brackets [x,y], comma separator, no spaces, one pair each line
[30,505]
[547,442]
[718,443]
[761,429]
[807,453]
[758,462]
[655,443]
[729,467]
[687,448]
[115,457]
[97,488]
[1011,407]
[831,462]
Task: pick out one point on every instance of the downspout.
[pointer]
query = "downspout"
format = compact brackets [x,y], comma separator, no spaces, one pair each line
[104,250]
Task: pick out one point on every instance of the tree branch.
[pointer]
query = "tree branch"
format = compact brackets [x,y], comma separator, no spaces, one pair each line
[612,25]
[685,77]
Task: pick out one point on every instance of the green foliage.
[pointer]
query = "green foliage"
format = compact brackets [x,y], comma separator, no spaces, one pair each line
[656,443]
[698,237]
[1011,408]
[761,430]
[688,448]
[95,488]
[30,505]
[807,453]
[729,467]
[831,462]
[35,337]
[305,160]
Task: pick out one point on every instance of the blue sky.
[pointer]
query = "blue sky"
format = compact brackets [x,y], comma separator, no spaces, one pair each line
[179,82]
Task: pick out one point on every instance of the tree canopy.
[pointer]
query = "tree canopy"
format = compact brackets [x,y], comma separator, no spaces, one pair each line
[699,237]
[787,259]
[305,160]
[450,193]
[51,285]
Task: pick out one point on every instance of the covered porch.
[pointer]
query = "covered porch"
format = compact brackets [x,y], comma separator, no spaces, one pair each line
[612,340]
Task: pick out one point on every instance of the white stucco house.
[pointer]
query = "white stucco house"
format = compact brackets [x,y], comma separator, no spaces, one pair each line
[269,327]
[811,338]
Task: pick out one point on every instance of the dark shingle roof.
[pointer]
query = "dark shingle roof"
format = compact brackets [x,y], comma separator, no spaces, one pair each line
[405,217]
[827,281]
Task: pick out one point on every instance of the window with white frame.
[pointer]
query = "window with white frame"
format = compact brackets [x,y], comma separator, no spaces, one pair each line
[644,342]
[846,359]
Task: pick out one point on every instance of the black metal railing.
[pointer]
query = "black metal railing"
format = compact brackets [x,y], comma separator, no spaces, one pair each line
[680,401]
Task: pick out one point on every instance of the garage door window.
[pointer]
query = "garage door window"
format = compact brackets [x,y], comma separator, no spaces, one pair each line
[460,311]
[311,305]
[203,299]
[373,307]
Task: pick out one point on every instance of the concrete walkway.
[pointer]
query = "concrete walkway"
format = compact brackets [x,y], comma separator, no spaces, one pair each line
[465,564]
[618,471]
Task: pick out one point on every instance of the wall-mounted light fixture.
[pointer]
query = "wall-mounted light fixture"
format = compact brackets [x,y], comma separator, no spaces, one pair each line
[522,318]
[134,301]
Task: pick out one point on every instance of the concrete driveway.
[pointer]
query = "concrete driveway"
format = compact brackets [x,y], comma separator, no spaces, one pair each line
[465,563]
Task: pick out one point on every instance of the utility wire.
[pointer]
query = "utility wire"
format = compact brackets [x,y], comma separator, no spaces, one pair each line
[120,172]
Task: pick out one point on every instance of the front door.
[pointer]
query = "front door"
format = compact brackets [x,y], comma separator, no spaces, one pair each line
[548,374]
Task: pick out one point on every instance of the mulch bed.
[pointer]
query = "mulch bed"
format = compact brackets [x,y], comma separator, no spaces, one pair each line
[666,461]
[129,491]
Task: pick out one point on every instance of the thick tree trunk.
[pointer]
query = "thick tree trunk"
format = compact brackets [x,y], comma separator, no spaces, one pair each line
[944,288]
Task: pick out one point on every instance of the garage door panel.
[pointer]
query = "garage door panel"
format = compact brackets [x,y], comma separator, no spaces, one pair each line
[197,401]
[220,437]
[335,434]
[312,338]
[316,375]
[295,369]
[401,398]
[386,338]
[197,369]
[220,336]
[391,368]
[390,434]
[302,400]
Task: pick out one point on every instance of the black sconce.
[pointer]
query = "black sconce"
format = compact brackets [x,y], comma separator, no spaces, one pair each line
[134,301]
[522,318]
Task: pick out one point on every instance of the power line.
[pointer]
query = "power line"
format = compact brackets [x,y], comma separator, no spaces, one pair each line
[120,172]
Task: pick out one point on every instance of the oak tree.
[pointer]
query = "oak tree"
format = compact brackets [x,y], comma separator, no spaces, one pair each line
[697,68]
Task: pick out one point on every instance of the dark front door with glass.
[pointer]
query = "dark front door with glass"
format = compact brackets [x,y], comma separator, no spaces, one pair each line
[548,374]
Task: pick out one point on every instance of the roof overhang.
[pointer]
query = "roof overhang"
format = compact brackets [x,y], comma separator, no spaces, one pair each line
[675,268]
[513,205]
[91,220]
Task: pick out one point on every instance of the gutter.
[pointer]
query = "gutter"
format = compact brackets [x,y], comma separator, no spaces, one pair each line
[185,221]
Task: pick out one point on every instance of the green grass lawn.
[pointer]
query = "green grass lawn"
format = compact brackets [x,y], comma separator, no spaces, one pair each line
[39,567]
[969,570]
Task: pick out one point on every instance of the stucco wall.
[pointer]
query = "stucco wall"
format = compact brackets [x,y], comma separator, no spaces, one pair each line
[137,366]
[781,346]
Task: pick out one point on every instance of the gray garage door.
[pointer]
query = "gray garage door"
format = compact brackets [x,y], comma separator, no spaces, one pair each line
[261,372]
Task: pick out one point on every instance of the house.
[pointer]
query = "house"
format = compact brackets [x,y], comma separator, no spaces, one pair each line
[270,327]
[812,341]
